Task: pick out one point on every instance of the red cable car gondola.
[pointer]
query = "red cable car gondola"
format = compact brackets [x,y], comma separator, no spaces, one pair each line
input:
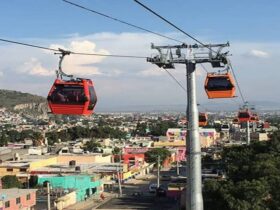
[202,119]
[244,115]
[219,85]
[73,96]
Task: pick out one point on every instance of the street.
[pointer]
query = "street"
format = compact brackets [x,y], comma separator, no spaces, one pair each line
[136,195]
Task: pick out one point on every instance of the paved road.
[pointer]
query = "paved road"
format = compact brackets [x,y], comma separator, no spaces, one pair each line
[146,200]
[141,202]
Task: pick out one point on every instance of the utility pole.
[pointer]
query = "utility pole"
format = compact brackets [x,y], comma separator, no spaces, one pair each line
[177,163]
[119,181]
[49,196]
[118,174]
[166,59]
[248,132]
[158,171]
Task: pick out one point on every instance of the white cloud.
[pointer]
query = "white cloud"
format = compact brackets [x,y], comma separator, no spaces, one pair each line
[1,74]
[133,81]
[258,54]
[151,72]
[34,67]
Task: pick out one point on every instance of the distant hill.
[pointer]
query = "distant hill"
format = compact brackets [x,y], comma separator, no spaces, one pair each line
[24,103]
[9,98]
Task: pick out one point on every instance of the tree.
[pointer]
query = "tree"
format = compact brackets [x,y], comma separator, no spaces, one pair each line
[92,146]
[252,178]
[151,156]
[160,128]
[116,151]
[10,181]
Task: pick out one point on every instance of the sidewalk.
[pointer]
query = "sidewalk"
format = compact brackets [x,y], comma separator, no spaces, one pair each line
[92,203]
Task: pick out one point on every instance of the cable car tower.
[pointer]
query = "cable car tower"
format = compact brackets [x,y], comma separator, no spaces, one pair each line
[195,54]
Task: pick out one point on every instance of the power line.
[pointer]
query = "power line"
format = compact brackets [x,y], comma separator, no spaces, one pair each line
[121,21]
[71,52]
[173,25]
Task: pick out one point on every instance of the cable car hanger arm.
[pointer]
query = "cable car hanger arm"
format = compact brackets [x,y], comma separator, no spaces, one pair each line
[59,72]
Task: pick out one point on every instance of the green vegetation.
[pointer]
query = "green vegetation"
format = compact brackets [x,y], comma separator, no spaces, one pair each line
[85,132]
[116,151]
[275,121]
[10,182]
[151,156]
[92,146]
[252,178]
[16,136]
[155,128]
[9,98]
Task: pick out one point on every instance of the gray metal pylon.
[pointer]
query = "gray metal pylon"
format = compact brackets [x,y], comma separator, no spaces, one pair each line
[194,199]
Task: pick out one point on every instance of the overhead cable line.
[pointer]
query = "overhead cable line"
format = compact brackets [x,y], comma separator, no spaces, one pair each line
[237,84]
[29,45]
[132,25]
[174,78]
[71,52]
[89,54]
[173,25]
[192,37]
[204,68]
[122,21]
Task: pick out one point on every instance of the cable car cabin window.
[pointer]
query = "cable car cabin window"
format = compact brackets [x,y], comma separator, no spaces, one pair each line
[93,98]
[68,94]
[243,115]
[219,83]
[202,119]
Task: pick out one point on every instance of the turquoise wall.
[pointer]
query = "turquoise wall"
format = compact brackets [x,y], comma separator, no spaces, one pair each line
[81,183]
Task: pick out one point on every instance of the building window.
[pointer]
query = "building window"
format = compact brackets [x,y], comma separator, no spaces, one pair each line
[18,200]
[10,169]
[28,197]
[7,204]
[22,169]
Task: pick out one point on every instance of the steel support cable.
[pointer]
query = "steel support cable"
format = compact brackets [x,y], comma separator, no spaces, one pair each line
[95,54]
[174,78]
[237,83]
[204,68]
[74,53]
[173,25]
[192,37]
[122,21]
[29,45]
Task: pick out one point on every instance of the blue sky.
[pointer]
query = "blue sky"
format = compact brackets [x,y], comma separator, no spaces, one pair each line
[252,27]
[238,20]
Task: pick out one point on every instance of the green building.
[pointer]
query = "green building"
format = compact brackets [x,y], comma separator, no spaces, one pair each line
[84,185]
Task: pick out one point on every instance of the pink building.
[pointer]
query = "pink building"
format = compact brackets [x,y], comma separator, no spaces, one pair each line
[17,199]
